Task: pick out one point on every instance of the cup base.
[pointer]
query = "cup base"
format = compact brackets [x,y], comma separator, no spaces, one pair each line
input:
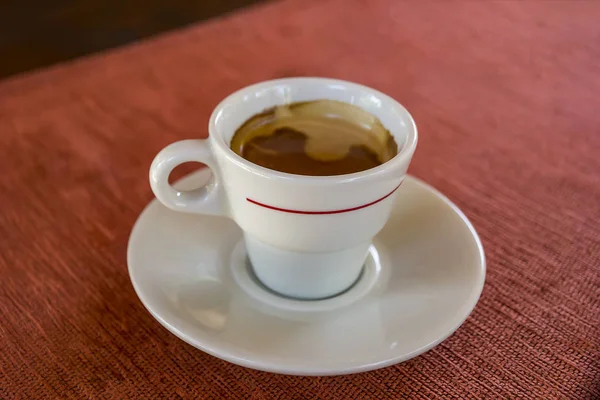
[252,275]
[303,275]
[371,275]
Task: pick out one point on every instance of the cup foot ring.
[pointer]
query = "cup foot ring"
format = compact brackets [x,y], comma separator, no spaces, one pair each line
[243,274]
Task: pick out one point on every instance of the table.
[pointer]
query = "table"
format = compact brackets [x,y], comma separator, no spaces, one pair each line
[505,95]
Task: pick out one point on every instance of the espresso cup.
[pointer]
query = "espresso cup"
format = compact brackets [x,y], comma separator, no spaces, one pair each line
[306,236]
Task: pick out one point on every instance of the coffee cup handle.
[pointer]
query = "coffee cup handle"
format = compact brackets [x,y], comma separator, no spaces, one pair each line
[209,199]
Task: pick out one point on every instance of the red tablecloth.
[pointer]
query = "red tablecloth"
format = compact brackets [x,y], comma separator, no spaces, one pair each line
[506,97]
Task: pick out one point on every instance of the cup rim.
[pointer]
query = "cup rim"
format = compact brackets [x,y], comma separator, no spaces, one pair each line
[402,157]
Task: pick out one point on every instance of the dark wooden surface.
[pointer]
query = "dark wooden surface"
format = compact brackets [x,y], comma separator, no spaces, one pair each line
[505,96]
[37,33]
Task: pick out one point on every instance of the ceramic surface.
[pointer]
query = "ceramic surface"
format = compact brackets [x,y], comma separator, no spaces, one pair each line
[423,277]
[308,236]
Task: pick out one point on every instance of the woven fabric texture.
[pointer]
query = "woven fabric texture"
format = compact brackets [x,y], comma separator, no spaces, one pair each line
[505,95]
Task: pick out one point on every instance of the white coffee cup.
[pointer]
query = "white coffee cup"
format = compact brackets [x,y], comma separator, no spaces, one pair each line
[306,236]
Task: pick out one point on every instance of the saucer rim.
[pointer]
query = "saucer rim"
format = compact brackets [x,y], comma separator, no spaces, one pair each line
[226,355]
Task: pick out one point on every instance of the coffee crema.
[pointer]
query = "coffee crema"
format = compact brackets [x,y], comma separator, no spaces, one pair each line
[317,138]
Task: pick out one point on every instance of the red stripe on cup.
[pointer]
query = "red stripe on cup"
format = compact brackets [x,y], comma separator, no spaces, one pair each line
[345,210]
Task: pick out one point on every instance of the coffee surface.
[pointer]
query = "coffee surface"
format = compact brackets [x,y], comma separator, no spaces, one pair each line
[318,138]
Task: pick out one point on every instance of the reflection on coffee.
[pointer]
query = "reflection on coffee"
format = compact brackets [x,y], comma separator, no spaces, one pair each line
[321,137]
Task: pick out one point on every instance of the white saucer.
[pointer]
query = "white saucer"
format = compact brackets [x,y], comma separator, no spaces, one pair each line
[423,278]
